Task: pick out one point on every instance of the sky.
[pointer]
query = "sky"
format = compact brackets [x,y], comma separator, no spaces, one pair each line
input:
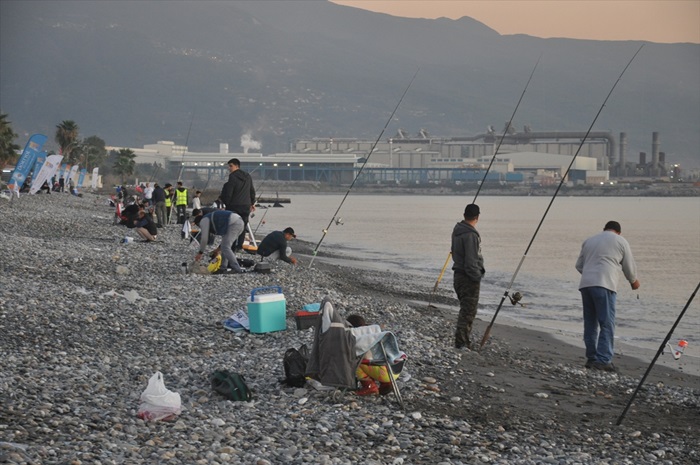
[665,21]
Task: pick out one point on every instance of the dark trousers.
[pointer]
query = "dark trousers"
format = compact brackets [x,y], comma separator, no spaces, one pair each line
[181,213]
[468,295]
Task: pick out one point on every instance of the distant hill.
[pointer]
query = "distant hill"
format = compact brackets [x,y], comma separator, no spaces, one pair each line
[133,73]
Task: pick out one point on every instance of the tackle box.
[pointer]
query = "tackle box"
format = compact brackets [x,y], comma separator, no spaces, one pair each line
[267,311]
[306,320]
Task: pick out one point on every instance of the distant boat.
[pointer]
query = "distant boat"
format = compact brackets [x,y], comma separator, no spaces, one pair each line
[274,200]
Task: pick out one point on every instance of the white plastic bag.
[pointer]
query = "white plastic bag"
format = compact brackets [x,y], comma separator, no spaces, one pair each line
[158,402]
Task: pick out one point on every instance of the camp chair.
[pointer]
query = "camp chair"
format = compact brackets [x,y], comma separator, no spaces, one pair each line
[384,350]
[333,359]
[250,245]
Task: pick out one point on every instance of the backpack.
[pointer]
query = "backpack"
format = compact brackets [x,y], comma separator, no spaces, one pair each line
[295,366]
[230,385]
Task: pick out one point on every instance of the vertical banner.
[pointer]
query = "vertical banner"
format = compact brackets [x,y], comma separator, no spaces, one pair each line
[81,178]
[94,178]
[48,169]
[72,175]
[40,159]
[26,161]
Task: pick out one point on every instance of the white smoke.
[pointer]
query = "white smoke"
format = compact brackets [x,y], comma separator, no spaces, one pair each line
[247,142]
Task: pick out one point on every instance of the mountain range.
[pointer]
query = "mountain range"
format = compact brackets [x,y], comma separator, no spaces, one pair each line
[205,73]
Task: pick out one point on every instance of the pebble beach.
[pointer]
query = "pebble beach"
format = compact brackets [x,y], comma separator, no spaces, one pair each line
[86,320]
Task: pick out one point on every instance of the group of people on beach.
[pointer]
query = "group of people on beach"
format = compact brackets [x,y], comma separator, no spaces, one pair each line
[600,261]
[152,206]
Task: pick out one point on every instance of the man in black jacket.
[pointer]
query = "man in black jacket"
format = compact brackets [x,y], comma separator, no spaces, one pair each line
[238,194]
[158,198]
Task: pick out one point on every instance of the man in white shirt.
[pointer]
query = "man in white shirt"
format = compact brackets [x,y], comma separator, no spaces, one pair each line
[600,261]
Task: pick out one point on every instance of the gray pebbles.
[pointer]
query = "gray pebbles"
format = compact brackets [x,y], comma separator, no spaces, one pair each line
[85,320]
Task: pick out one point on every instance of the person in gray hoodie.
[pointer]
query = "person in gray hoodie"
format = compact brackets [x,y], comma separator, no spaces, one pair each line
[468,270]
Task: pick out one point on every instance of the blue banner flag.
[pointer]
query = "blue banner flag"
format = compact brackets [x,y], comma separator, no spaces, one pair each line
[26,161]
[81,178]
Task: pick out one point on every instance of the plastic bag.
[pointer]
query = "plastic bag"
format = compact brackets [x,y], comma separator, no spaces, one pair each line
[214,264]
[158,402]
[294,363]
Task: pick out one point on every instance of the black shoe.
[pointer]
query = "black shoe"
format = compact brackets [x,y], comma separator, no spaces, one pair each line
[609,367]
[589,364]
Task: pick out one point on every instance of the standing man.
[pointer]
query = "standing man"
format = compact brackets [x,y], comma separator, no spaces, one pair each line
[225,224]
[148,192]
[238,194]
[168,201]
[181,202]
[600,261]
[468,270]
[197,200]
[159,203]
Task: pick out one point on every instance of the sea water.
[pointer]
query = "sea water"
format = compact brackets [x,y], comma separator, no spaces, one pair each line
[412,234]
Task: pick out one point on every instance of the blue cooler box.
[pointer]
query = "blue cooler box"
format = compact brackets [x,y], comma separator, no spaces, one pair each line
[267,312]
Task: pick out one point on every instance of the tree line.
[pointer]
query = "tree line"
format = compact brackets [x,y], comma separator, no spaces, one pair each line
[89,152]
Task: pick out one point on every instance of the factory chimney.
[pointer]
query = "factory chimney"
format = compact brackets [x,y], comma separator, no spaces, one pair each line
[622,168]
[654,153]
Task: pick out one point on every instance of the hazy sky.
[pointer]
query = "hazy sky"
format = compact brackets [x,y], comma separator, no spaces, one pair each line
[664,21]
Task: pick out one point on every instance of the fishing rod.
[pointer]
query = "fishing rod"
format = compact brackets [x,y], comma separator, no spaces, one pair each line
[325,231]
[658,353]
[503,136]
[487,333]
[155,170]
[187,139]
[505,131]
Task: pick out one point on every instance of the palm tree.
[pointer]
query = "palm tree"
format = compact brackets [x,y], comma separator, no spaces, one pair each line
[124,166]
[8,148]
[67,139]
[91,151]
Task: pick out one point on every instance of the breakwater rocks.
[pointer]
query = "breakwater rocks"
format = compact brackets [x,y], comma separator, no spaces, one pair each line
[85,320]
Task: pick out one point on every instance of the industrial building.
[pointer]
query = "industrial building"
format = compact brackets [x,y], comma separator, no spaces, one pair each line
[527,157]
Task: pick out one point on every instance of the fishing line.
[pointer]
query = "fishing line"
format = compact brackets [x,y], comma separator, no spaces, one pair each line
[487,333]
[505,131]
[325,231]
[658,353]
[187,139]
[182,165]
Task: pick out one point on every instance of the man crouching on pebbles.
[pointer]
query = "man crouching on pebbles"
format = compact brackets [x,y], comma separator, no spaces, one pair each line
[222,223]
[468,270]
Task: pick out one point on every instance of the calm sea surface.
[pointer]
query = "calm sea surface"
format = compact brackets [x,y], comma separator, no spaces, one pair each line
[412,234]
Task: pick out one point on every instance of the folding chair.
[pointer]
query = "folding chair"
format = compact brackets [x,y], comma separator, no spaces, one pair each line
[394,368]
[384,350]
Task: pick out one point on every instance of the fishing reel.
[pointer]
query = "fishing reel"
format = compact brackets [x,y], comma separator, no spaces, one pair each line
[516,298]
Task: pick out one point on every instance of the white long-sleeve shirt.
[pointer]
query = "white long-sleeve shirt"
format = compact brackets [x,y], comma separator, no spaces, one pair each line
[601,259]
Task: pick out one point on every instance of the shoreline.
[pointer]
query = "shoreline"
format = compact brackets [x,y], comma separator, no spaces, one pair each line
[685,365]
[86,320]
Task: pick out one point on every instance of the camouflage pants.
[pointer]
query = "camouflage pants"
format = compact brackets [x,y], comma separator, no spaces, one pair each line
[468,294]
